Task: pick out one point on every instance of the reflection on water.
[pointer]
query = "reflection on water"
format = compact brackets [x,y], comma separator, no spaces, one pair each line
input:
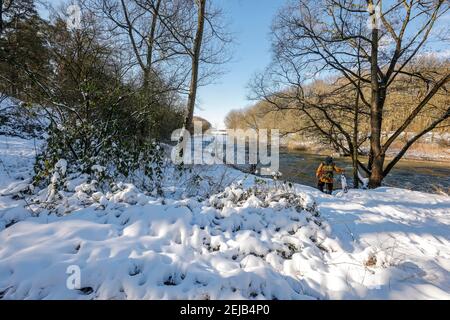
[300,167]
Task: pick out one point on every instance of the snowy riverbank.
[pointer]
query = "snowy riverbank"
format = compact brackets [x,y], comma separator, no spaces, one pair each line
[431,147]
[255,240]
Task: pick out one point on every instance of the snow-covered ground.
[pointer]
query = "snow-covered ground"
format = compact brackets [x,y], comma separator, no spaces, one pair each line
[379,244]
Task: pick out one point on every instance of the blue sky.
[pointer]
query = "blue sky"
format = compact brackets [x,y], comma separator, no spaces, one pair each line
[250,22]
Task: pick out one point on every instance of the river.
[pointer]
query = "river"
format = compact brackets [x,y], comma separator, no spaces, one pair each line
[300,167]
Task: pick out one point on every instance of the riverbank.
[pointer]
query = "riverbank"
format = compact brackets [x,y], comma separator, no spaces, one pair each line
[418,151]
[419,175]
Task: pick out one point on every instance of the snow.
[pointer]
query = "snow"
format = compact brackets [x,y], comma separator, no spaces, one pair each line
[225,237]
[21,120]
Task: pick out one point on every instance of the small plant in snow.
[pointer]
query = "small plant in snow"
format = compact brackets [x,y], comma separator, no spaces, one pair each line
[99,172]
[57,181]
[193,184]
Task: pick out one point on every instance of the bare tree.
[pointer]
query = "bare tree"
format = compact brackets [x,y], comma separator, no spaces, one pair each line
[136,25]
[315,38]
[185,40]
[195,56]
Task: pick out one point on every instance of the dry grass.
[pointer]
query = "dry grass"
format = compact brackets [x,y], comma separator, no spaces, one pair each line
[292,145]
[445,143]
[441,190]
[430,150]
[372,261]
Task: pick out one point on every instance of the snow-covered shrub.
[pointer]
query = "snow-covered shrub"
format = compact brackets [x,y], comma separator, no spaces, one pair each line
[105,159]
[199,181]
[98,121]
[57,180]
[193,183]
[263,194]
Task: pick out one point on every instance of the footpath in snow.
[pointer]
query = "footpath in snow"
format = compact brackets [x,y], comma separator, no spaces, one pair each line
[254,239]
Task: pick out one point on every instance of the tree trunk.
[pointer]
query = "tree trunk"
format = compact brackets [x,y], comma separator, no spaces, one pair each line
[150,45]
[355,143]
[195,64]
[1,17]
[376,110]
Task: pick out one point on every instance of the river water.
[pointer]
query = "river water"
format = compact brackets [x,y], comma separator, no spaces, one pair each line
[300,167]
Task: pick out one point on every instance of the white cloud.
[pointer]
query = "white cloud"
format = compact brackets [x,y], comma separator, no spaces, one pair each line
[439,54]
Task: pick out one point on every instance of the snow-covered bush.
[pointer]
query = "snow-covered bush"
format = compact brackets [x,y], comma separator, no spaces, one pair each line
[263,194]
[57,180]
[197,181]
[104,158]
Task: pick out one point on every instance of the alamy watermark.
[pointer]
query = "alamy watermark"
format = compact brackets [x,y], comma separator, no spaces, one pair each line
[374,20]
[233,147]
[73,281]
[73,20]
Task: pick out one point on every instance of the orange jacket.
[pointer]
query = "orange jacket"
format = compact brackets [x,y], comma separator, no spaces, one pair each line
[325,172]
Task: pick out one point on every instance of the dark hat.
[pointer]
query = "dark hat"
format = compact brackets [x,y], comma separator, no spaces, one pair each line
[328,160]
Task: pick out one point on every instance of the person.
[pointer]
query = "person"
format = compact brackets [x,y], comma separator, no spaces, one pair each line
[325,173]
